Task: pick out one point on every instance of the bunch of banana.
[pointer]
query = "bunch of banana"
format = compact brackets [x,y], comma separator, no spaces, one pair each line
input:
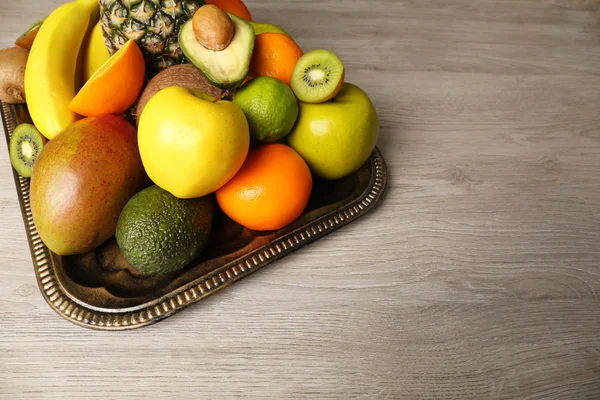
[96,53]
[54,71]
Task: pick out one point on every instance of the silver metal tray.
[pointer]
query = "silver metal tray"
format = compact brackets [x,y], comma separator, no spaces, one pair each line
[99,290]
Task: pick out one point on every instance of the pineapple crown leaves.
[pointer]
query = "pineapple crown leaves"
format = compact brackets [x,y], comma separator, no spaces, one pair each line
[153,24]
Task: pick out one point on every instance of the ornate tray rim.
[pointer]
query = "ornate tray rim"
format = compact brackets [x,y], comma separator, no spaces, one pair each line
[158,309]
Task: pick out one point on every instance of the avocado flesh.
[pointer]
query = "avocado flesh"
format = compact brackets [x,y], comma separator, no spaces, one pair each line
[227,68]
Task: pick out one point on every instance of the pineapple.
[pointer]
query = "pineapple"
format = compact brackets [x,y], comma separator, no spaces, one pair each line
[153,24]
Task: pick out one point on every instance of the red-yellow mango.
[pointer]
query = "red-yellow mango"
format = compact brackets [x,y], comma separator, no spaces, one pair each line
[81,181]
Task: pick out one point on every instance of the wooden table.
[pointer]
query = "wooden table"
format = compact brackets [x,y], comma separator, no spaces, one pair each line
[478,276]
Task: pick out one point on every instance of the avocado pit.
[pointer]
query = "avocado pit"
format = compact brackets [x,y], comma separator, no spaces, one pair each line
[213,28]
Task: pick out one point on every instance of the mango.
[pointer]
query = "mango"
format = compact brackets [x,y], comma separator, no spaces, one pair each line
[81,181]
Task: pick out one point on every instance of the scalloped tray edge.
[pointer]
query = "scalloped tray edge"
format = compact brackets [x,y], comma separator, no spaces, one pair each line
[191,293]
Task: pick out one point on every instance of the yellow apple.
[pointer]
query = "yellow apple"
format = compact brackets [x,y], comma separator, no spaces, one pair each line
[191,145]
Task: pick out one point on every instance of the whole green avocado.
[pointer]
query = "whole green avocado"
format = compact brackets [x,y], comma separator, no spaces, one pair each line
[159,233]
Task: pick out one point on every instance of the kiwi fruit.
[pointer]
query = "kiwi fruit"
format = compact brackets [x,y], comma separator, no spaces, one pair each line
[318,76]
[13,61]
[26,39]
[185,75]
[25,146]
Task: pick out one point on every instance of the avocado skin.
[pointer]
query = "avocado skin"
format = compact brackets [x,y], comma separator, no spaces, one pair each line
[159,233]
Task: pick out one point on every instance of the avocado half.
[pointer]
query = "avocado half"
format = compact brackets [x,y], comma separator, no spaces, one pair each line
[227,68]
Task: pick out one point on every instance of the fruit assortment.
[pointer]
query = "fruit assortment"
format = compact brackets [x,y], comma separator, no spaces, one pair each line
[149,117]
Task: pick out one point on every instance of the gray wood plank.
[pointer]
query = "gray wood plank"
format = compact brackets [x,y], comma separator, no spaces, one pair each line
[477,277]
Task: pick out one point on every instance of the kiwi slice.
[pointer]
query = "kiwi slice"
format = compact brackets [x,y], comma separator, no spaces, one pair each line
[25,146]
[318,76]
[26,39]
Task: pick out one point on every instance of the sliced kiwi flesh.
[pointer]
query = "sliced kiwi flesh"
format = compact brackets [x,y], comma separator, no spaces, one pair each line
[318,76]
[25,146]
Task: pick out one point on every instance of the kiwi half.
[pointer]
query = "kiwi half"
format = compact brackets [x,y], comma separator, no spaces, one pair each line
[26,39]
[318,76]
[25,146]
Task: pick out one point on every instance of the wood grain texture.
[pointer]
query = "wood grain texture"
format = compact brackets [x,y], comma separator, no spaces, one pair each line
[478,276]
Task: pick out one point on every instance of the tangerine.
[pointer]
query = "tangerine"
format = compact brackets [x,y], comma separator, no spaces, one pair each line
[270,191]
[115,86]
[236,7]
[275,55]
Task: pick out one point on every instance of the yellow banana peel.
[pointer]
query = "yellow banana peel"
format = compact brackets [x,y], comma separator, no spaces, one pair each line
[54,62]
[96,52]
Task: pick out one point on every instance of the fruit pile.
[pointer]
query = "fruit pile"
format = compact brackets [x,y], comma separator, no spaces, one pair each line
[148,116]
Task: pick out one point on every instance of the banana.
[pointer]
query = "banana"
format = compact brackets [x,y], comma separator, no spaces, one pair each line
[54,62]
[96,53]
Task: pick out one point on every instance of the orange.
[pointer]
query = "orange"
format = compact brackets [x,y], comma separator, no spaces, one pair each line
[275,55]
[270,191]
[115,86]
[236,7]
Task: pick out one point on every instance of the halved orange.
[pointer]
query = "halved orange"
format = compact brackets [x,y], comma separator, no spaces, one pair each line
[115,86]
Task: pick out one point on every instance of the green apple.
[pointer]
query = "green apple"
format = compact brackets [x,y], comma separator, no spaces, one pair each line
[191,144]
[336,137]
[264,28]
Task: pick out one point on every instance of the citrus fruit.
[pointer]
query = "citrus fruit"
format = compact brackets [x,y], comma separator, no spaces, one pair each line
[114,87]
[270,191]
[275,54]
[270,107]
[236,7]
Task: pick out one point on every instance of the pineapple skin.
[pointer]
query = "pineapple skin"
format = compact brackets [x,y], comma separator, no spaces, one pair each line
[153,24]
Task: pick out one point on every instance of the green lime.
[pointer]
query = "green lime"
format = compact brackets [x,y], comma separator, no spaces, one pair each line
[160,233]
[270,107]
